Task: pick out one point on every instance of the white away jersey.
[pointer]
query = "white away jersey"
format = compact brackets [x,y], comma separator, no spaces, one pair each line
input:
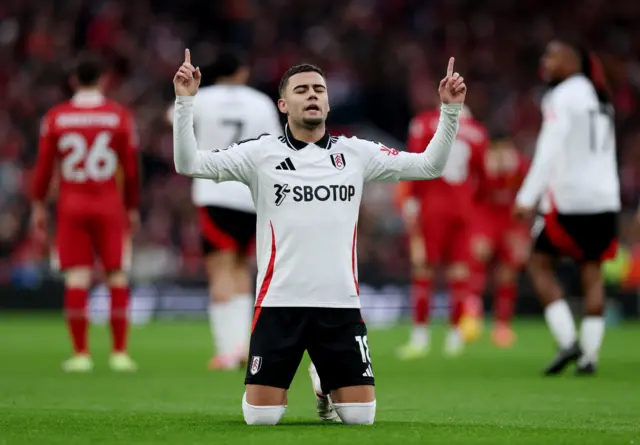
[225,114]
[574,168]
[307,198]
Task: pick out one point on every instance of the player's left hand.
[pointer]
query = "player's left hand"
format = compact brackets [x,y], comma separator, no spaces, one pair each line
[523,213]
[134,221]
[452,88]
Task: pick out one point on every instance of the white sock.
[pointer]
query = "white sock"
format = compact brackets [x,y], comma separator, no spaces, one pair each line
[356,413]
[262,415]
[240,322]
[560,322]
[221,320]
[591,335]
[419,336]
[244,304]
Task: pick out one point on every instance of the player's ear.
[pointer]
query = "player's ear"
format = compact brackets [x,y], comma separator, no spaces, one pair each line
[282,106]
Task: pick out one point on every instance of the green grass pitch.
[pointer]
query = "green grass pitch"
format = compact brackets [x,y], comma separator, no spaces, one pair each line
[487,396]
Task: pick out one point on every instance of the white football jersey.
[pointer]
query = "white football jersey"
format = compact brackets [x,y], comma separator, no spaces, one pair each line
[574,168]
[225,114]
[307,198]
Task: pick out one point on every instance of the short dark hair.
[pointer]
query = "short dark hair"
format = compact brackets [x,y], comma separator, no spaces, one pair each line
[88,70]
[227,62]
[297,69]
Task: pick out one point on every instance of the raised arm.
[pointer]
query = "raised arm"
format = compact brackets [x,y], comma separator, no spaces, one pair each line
[232,164]
[386,164]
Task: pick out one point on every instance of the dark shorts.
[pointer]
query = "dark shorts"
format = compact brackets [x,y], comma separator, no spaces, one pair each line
[336,340]
[225,229]
[582,237]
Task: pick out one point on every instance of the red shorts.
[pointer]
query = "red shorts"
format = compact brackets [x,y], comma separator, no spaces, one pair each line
[445,237]
[80,238]
[505,239]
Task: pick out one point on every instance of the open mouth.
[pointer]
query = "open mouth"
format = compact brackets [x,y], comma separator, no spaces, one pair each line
[312,108]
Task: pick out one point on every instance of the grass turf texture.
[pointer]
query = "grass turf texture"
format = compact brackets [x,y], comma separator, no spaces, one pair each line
[487,396]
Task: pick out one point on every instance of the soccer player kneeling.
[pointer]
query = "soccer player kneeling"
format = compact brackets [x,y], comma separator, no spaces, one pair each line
[307,187]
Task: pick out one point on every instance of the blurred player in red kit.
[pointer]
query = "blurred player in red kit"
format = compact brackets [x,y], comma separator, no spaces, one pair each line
[87,139]
[439,215]
[499,237]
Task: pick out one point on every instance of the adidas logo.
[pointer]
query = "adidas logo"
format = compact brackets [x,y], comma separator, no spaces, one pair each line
[285,165]
[368,372]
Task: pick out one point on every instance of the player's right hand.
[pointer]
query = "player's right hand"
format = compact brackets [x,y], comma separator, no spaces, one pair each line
[187,79]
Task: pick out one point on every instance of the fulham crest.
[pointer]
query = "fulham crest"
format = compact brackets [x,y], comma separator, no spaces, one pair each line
[337,159]
[256,364]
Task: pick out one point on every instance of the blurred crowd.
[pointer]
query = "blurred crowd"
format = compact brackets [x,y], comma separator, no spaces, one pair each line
[383,59]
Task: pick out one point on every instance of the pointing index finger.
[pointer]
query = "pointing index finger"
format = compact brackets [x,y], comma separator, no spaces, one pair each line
[187,55]
[449,67]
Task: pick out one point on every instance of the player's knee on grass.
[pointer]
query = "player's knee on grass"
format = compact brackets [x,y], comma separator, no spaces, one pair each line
[458,272]
[356,413]
[117,278]
[354,394]
[78,278]
[261,415]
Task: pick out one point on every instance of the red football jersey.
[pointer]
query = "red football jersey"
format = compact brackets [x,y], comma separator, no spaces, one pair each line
[464,167]
[87,140]
[504,170]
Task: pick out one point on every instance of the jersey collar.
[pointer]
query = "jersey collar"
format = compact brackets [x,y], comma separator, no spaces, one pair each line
[295,144]
[88,98]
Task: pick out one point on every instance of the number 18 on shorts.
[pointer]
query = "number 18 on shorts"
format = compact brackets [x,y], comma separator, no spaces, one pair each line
[336,340]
